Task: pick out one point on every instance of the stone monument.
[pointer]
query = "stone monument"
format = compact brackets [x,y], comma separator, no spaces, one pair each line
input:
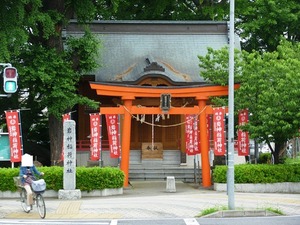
[69,148]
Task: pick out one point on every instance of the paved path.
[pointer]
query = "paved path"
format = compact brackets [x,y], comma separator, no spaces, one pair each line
[150,200]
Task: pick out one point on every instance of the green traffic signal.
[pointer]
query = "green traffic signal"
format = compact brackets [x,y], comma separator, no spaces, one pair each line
[10,80]
[10,87]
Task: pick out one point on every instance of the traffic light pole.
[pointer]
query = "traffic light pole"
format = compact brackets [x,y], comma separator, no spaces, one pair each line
[5,64]
[5,95]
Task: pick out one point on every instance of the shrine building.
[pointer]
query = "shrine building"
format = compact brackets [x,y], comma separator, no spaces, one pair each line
[149,76]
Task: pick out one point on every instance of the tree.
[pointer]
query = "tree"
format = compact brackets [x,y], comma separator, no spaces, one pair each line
[51,80]
[261,23]
[49,73]
[172,10]
[269,84]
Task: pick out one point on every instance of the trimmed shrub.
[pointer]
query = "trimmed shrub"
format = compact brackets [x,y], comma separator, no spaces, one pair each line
[7,182]
[261,173]
[95,178]
[87,179]
[265,158]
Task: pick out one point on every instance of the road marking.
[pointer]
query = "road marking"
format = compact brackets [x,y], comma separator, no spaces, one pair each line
[57,222]
[191,221]
[114,222]
[71,207]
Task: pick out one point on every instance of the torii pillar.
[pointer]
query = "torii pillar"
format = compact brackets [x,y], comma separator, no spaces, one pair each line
[206,178]
[126,131]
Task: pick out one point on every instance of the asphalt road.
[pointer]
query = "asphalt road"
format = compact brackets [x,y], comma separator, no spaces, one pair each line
[274,220]
[148,203]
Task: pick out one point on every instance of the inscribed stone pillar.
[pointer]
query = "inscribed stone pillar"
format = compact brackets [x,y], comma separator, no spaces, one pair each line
[69,155]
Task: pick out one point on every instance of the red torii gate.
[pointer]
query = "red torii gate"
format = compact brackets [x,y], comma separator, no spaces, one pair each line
[128,93]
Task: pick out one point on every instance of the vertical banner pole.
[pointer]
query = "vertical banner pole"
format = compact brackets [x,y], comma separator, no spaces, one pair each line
[230,172]
[21,135]
[101,159]
[120,149]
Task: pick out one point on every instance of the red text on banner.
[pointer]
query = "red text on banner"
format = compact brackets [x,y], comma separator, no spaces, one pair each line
[219,131]
[95,136]
[13,126]
[112,121]
[192,136]
[243,136]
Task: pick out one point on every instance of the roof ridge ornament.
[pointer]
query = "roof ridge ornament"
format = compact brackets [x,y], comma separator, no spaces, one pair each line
[153,65]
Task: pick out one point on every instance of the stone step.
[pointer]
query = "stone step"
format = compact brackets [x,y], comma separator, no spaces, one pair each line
[161,173]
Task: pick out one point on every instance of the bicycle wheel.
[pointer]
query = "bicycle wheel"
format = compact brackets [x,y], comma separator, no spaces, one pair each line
[40,204]
[23,197]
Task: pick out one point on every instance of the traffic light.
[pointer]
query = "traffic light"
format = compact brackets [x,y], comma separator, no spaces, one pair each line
[10,80]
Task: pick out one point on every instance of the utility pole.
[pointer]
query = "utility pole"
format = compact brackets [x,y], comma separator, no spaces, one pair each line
[230,171]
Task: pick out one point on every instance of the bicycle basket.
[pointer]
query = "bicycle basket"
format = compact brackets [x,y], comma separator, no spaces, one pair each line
[38,185]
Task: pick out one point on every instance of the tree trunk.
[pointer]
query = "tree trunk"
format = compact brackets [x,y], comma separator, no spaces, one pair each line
[278,147]
[56,139]
[55,124]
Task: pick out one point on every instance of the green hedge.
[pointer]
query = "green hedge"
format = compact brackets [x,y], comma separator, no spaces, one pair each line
[87,179]
[261,173]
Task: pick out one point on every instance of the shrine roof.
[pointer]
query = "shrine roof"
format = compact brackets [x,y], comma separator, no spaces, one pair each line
[133,50]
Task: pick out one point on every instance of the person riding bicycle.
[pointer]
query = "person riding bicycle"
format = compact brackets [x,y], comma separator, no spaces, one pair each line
[27,174]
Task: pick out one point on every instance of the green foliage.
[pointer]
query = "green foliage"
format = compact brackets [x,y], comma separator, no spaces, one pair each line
[212,210]
[292,160]
[271,85]
[82,52]
[262,23]
[265,158]
[276,211]
[268,89]
[215,209]
[7,182]
[52,77]
[171,10]
[13,32]
[261,173]
[53,177]
[214,65]
[99,178]
[32,40]
[87,179]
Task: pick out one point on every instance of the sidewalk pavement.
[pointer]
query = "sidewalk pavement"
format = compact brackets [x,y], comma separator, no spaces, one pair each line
[149,199]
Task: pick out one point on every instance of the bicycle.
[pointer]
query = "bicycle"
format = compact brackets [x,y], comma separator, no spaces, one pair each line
[38,198]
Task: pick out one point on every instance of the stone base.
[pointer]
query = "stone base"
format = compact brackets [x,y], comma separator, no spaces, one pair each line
[69,194]
[54,194]
[170,187]
[284,187]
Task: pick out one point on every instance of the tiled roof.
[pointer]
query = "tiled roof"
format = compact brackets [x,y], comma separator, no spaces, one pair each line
[170,47]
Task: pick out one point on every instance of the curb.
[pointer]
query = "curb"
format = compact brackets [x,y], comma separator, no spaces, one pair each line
[240,213]
[54,194]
